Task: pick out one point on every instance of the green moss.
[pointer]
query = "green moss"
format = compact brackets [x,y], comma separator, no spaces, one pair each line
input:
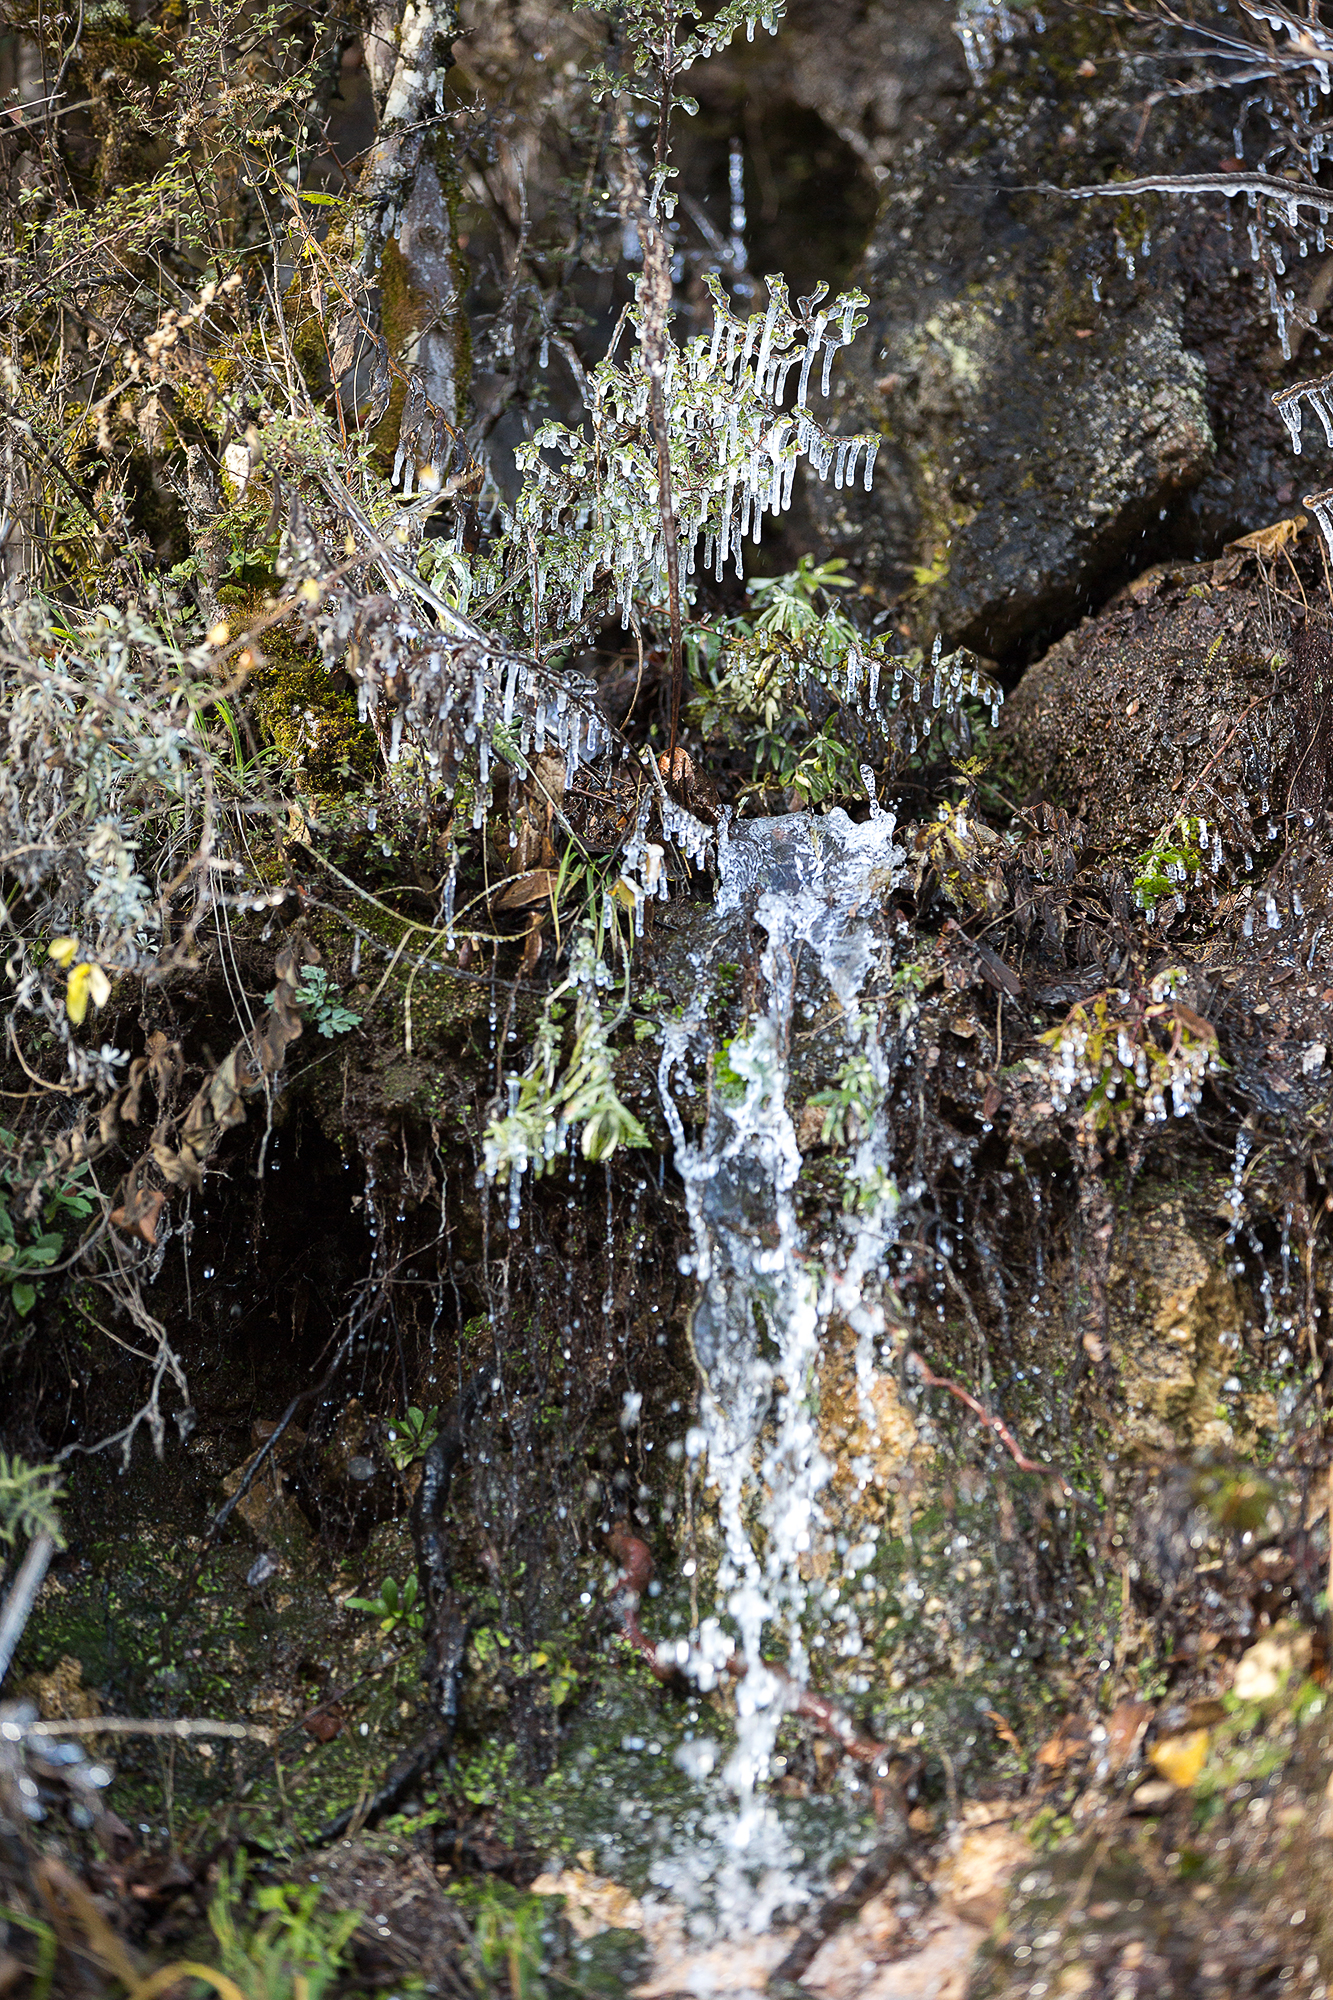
[296,708]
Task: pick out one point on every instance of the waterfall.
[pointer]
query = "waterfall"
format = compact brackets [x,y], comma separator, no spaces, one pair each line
[818,888]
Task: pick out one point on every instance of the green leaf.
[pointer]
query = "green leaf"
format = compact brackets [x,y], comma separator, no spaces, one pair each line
[25,1298]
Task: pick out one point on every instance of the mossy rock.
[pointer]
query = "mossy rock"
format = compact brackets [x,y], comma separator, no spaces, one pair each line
[1054,415]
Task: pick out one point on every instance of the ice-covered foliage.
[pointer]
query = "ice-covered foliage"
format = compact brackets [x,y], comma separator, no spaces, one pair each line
[1122,1055]
[1283,63]
[549,1102]
[785,681]
[588,517]
[426,671]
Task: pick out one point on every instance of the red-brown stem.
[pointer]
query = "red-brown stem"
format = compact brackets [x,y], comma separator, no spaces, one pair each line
[992,1422]
[636,1570]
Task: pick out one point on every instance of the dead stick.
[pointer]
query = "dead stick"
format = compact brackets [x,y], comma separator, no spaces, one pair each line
[23,1595]
[869,1878]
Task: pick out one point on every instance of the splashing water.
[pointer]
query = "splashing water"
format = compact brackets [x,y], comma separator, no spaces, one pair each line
[767,1297]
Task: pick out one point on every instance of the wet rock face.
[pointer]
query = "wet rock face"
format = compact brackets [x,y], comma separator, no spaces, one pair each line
[1175,1326]
[1178,699]
[1023,471]
[1054,416]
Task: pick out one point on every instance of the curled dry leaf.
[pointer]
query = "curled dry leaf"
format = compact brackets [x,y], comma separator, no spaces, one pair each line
[538,885]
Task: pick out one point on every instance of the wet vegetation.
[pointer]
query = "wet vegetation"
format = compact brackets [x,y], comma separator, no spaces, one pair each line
[668,965]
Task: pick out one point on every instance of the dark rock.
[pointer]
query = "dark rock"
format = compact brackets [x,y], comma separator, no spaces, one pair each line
[1056,417]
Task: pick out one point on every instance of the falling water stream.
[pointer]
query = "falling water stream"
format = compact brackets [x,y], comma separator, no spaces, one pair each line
[767,1295]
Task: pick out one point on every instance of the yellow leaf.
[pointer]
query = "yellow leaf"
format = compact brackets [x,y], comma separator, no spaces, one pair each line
[1180,1758]
[168,1976]
[76,993]
[62,949]
[99,986]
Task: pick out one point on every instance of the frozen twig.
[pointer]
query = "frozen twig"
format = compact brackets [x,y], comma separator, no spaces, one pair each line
[181,1727]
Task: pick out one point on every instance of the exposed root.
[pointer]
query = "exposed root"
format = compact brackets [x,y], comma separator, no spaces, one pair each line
[992,1423]
[869,1878]
[448,1625]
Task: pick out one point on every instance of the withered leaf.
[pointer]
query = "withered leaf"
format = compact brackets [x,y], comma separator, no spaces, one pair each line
[532,948]
[537,886]
[1003,1729]
[1267,541]
[1124,1731]
[140,1210]
[346,340]
[324,1723]
[1069,1739]
[380,383]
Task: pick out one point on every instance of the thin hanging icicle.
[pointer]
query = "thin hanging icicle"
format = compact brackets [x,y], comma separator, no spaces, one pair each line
[807,361]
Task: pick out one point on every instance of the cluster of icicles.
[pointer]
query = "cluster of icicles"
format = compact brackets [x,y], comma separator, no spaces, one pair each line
[855,681]
[1318,393]
[734,450]
[1137,1067]
[446,683]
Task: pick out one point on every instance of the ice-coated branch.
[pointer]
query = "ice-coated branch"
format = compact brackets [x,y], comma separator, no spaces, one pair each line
[1293,196]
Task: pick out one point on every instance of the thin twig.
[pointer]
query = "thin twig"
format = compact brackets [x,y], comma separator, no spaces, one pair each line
[23,1594]
[182,1727]
[992,1423]
[868,1880]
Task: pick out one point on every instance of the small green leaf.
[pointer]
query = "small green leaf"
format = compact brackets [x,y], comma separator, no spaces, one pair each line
[25,1298]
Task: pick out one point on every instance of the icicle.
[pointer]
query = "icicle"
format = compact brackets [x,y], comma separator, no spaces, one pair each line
[1321,506]
[1319,401]
[1287,403]
[872,446]
[806,361]
[766,343]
